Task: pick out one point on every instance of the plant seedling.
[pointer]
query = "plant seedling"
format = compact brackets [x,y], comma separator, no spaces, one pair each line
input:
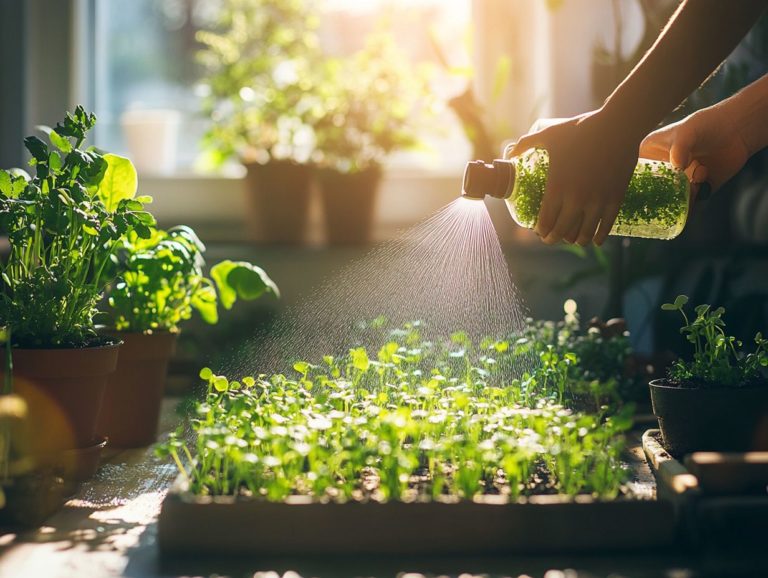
[420,420]
[719,359]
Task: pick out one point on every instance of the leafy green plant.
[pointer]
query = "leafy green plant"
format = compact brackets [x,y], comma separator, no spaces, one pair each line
[257,61]
[373,103]
[718,359]
[419,420]
[594,360]
[64,224]
[161,282]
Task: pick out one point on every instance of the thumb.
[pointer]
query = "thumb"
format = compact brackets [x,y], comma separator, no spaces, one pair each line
[656,145]
[524,143]
[681,151]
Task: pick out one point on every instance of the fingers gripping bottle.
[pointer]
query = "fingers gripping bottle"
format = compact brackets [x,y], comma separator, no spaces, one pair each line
[655,205]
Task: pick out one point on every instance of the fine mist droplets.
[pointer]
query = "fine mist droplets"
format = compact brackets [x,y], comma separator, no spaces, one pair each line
[448,272]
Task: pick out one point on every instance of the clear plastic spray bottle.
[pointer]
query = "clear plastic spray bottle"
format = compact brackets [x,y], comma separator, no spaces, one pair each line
[655,205]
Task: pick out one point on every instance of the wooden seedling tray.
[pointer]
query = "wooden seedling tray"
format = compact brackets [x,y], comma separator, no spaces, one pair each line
[541,524]
[722,498]
[730,474]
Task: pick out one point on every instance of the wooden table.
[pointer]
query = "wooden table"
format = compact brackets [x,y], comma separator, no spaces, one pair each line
[109,529]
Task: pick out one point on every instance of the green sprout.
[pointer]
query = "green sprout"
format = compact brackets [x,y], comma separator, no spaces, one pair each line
[718,358]
[420,420]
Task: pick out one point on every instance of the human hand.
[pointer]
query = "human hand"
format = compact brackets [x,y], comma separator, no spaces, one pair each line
[590,164]
[707,145]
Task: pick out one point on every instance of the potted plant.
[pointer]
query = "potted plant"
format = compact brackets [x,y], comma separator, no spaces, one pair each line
[257,63]
[63,225]
[371,103]
[717,400]
[160,284]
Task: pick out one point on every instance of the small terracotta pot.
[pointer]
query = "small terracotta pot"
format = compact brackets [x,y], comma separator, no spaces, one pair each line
[711,419]
[349,203]
[63,390]
[278,198]
[131,408]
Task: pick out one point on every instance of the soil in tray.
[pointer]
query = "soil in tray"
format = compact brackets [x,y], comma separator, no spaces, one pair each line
[367,488]
[541,522]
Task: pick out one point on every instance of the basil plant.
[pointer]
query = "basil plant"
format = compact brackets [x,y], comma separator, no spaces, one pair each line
[63,225]
[161,282]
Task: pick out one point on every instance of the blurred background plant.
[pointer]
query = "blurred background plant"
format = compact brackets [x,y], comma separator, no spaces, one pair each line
[259,91]
[374,102]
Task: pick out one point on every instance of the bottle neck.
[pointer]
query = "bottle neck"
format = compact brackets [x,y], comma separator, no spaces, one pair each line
[495,179]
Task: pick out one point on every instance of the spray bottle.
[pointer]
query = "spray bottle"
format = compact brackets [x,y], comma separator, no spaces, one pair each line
[655,205]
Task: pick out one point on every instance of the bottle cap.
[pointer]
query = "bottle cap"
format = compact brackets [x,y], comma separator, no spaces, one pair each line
[492,179]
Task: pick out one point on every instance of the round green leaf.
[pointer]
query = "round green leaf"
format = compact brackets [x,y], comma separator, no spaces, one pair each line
[119,182]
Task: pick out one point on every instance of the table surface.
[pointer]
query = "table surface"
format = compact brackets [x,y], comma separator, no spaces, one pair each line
[110,529]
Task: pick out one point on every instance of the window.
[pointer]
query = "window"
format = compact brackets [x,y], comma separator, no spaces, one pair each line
[144,60]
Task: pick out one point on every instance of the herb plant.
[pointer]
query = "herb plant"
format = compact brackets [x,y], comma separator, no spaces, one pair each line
[373,104]
[718,359]
[161,282]
[655,204]
[257,60]
[64,224]
[420,420]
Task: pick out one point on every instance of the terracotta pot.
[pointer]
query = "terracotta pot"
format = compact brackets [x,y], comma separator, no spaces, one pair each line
[278,196]
[349,201]
[63,389]
[131,408]
[711,419]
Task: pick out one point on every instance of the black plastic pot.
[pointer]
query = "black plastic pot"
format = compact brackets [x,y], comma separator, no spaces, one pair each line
[711,419]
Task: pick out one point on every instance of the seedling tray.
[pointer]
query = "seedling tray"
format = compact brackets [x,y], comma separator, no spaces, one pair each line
[542,524]
[722,498]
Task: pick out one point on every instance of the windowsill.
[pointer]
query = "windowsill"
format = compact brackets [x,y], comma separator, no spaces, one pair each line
[238,173]
[217,205]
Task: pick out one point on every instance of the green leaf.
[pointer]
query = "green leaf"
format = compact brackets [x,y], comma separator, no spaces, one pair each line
[37,148]
[360,358]
[220,383]
[302,367]
[241,279]
[54,161]
[204,302]
[206,373]
[60,142]
[119,181]
[5,183]
[680,301]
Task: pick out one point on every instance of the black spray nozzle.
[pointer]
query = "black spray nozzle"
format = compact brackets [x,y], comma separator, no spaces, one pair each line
[492,179]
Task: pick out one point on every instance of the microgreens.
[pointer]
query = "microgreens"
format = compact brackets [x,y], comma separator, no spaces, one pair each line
[418,420]
[589,366]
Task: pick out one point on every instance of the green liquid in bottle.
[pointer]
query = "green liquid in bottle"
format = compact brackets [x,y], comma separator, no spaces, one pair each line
[655,205]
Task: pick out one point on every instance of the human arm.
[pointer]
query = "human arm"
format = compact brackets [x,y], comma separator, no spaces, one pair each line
[713,143]
[592,156]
